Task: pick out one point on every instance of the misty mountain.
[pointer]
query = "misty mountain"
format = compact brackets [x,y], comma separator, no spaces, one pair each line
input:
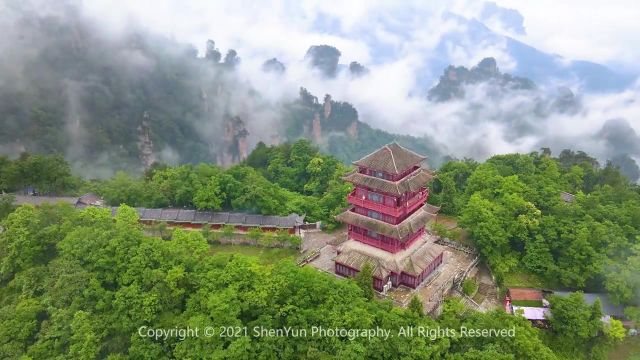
[103,99]
[125,100]
[535,64]
[454,38]
[452,82]
[336,128]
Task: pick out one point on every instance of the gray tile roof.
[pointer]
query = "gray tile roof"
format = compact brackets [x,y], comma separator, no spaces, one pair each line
[220,218]
[151,214]
[203,217]
[271,221]
[567,197]
[412,182]
[90,199]
[253,220]
[186,215]
[391,158]
[408,226]
[169,214]
[236,218]
[180,215]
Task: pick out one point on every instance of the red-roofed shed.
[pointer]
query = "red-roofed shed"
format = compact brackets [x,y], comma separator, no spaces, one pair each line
[524,294]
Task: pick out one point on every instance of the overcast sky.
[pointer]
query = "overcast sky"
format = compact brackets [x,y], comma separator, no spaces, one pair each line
[600,31]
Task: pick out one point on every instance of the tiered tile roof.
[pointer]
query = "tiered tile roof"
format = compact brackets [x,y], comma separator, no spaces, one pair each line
[412,182]
[410,225]
[391,158]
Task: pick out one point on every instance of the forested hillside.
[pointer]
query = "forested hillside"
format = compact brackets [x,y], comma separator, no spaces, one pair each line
[512,207]
[274,180]
[83,286]
[79,284]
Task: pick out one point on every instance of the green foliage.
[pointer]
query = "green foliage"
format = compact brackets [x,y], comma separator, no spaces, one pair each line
[295,241]
[441,230]
[6,205]
[29,237]
[469,287]
[85,284]
[633,313]
[450,185]
[84,343]
[210,236]
[255,234]
[364,279]
[575,323]
[530,303]
[511,207]
[47,174]
[614,331]
[281,180]
[210,196]
[160,229]
[228,231]
[622,279]
[415,306]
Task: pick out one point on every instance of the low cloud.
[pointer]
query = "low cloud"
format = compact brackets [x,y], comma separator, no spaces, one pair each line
[391,96]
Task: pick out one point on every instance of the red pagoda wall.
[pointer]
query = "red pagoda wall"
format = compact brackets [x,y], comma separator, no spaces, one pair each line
[388,208]
[390,205]
[385,175]
[384,242]
[397,279]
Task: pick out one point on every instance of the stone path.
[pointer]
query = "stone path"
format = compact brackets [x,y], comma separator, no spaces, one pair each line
[324,261]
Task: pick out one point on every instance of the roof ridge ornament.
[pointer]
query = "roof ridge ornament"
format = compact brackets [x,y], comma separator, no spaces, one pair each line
[393,159]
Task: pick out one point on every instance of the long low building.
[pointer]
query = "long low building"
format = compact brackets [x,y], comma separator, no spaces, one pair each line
[187,218]
[197,219]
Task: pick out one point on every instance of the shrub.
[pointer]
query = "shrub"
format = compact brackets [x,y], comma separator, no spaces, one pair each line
[228,231]
[255,234]
[469,287]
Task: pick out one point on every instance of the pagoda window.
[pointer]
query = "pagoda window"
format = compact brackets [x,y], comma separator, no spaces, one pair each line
[373,234]
[374,215]
[379,174]
[375,197]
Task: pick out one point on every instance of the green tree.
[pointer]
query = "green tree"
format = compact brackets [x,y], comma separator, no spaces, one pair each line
[255,234]
[415,306]
[19,247]
[228,231]
[364,279]
[575,321]
[615,331]
[6,205]
[295,241]
[85,343]
[622,280]
[469,287]
[210,196]
[538,258]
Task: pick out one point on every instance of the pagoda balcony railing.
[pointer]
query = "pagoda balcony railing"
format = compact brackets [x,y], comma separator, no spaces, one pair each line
[373,242]
[395,211]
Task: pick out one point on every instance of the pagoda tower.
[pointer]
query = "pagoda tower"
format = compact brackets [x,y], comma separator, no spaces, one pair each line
[387,218]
